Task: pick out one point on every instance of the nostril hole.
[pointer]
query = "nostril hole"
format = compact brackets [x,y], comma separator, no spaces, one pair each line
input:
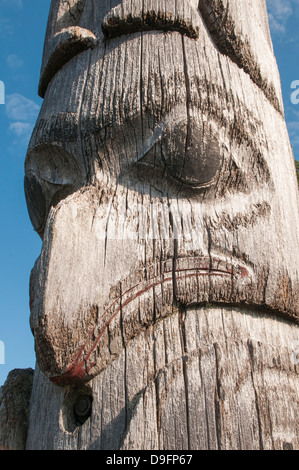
[82,408]
[76,408]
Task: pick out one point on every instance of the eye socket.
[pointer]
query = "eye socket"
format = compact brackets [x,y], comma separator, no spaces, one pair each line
[188,152]
[51,174]
[195,160]
[53,164]
[40,196]
[36,202]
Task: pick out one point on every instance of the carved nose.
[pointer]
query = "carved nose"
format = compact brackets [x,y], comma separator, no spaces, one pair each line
[82,408]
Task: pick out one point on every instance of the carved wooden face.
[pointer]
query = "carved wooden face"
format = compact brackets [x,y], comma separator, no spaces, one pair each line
[159,174]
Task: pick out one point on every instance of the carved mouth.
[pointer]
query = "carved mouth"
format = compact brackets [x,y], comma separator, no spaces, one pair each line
[118,23]
[165,291]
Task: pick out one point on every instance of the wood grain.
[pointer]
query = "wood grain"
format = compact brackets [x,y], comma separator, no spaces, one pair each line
[161,179]
[204,378]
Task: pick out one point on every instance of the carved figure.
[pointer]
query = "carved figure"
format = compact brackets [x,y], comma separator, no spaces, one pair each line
[161,178]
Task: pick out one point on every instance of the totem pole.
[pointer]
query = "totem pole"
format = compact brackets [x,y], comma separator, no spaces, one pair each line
[165,301]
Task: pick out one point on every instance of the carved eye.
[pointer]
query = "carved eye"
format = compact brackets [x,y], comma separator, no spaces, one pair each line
[40,196]
[188,152]
[51,174]
[36,202]
[53,164]
[194,158]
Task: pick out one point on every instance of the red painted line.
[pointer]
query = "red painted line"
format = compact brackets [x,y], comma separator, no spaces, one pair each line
[77,370]
[122,305]
[72,375]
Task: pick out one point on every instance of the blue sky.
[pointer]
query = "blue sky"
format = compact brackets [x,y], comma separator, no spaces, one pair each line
[22,30]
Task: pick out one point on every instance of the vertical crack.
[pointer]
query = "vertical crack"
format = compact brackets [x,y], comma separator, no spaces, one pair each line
[205,399]
[181,320]
[188,104]
[209,237]
[217,398]
[156,385]
[158,413]
[251,360]
[175,254]
[125,361]
[141,87]
[80,106]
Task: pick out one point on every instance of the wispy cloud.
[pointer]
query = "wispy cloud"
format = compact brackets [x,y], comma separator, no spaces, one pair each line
[22,113]
[6,28]
[293,128]
[19,108]
[280,11]
[21,129]
[14,62]
[12,3]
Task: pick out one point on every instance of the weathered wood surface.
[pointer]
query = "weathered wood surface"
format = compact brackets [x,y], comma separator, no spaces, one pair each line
[15,408]
[179,176]
[205,378]
[161,178]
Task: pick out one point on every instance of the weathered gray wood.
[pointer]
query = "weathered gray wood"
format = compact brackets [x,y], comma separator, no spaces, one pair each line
[160,122]
[15,408]
[205,378]
[167,287]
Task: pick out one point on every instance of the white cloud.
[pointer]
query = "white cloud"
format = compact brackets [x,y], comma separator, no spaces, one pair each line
[22,114]
[19,108]
[14,62]
[21,129]
[6,28]
[281,8]
[14,3]
[293,128]
[279,12]
[276,26]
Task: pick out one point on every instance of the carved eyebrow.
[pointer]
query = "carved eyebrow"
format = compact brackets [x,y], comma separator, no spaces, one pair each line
[230,42]
[62,47]
[117,23]
[70,41]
